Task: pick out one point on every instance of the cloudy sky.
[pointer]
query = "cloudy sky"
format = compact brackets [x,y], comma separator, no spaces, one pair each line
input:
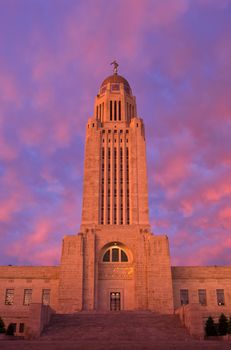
[176,55]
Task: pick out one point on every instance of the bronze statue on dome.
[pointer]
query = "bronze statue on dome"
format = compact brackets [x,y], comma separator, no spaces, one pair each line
[116,65]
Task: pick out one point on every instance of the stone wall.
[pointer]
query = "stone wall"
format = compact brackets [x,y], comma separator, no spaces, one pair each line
[70,295]
[20,278]
[159,275]
[202,277]
[145,282]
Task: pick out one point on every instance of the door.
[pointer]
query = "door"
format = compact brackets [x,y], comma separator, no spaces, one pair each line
[114,301]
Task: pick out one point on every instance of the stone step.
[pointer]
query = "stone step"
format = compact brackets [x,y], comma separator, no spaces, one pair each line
[115,326]
[168,344]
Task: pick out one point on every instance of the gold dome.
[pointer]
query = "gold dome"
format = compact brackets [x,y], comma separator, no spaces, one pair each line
[115,78]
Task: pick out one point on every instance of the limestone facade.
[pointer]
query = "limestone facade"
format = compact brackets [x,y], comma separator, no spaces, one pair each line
[114,262]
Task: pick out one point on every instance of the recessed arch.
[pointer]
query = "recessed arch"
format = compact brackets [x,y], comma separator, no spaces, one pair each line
[115,252]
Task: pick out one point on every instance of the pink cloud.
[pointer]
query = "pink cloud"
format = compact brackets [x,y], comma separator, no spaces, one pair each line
[41,231]
[7,150]
[7,208]
[9,91]
[181,73]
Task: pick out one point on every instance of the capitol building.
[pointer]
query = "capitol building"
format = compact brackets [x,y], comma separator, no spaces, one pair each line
[115,262]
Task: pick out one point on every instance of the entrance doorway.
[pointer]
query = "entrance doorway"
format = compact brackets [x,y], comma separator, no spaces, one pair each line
[114,301]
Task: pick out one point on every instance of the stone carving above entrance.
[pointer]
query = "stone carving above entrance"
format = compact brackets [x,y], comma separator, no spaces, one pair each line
[115,272]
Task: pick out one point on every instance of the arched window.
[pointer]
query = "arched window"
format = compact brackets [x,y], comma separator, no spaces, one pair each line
[115,254]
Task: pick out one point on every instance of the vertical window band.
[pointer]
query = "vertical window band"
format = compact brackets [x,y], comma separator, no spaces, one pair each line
[110,110]
[115,111]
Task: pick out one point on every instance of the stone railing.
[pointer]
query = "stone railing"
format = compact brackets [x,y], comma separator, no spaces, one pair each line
[191,317]
[194,316]
[39,316]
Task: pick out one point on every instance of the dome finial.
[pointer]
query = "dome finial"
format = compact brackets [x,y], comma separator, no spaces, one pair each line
[116,65]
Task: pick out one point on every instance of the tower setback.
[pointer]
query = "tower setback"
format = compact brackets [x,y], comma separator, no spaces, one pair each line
[115,175]
[121,265]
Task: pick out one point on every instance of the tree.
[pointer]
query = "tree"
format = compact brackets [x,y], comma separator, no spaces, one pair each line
[223,325]
[210,328]
[2,326]
[229,325]
[10,329]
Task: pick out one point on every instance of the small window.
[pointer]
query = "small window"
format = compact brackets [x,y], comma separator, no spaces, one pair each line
[21,327]
[184,299]
[115,87]
[9,298]
[202,296]
[46,296]
[220,297]
[115,254]
[124,257]
[119,110]
[27,296]
[12,327]
[106,257]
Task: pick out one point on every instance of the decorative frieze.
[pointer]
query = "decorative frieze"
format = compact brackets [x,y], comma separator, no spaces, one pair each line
[115,272]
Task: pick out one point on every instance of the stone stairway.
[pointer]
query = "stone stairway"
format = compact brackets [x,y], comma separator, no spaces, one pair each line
[122,330]
[115,327]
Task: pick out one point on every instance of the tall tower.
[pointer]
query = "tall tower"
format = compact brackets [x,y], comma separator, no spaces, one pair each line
[115,175]
[115,262]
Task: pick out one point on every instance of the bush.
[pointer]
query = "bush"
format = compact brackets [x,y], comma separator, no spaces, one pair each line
[210,328]
[229,325]
[223,325]
[10,329]
[2,326]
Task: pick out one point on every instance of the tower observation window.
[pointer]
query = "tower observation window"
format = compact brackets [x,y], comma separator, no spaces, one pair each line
[110,110]
[127,184]
[108,190]
[115,186]
[121,186]
[102,187]
[119,110]
[115,110]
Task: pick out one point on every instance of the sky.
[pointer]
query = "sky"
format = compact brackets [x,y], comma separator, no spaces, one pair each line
[176,55]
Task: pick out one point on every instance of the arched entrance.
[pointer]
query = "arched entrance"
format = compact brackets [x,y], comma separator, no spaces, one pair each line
[115,278]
